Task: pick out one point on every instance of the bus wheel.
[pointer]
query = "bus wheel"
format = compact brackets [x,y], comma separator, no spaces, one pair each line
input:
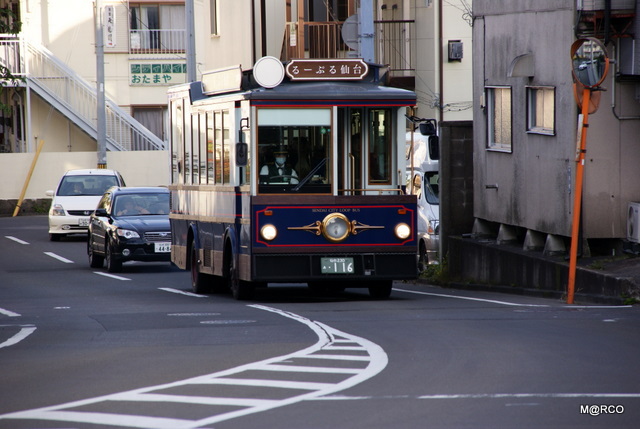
[380,289]
[240,290]
[199,281]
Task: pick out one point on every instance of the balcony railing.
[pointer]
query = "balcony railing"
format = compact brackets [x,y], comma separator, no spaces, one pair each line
[393,43]
[157,41]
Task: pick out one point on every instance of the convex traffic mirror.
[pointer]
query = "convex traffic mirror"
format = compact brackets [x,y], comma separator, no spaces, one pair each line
[590,62]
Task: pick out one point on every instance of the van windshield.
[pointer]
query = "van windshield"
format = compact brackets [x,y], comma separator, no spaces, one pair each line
[432,187]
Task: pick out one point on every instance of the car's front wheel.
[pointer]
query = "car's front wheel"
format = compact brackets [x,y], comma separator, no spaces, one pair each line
[114,265]
[95,261]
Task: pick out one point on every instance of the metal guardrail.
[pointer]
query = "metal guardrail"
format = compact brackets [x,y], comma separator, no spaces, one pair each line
[73,96]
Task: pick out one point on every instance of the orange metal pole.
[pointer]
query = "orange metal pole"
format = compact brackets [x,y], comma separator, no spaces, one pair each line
[577,202]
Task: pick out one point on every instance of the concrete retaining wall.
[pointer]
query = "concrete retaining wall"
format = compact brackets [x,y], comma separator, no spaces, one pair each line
[139,168]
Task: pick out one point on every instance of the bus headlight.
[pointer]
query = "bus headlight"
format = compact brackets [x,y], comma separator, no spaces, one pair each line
[336,227]
[268,232]
[402,231]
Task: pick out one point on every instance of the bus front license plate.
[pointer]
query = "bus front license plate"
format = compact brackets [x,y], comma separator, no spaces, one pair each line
[336,265]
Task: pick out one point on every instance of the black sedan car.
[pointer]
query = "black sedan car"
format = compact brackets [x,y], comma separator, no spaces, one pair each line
[130,224]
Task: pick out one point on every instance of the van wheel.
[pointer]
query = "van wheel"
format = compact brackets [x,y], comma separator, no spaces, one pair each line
[423,259]
[55,237]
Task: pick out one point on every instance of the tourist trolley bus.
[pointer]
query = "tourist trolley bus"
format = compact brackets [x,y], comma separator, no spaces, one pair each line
[292,173]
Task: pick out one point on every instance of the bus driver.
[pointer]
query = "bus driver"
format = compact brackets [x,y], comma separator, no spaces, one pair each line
[279,171]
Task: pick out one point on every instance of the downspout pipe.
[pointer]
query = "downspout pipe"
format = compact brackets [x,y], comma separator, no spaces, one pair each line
[440,63]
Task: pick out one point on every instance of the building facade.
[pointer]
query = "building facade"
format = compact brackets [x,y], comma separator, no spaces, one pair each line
[526,122]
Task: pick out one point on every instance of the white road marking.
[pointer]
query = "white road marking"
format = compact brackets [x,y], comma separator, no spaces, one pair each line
[17,240]
[305,390]
[512,304]
[181,292]
[24,333]
[8,313]
[532,395]
[59,258]
[112,276]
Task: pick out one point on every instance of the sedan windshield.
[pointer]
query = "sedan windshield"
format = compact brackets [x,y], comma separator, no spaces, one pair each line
[141,204]
[85,185]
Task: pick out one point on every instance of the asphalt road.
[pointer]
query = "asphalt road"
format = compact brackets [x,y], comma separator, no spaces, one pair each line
[83,349]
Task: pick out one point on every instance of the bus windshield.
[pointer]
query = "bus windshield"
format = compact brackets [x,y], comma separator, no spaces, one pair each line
[294,150]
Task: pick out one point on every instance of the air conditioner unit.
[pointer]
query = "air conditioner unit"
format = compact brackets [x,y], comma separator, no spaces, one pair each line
[633,223]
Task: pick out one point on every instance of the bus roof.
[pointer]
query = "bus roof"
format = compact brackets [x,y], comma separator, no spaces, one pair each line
[369,91]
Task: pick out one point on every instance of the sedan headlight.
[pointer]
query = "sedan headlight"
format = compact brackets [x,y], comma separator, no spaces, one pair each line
[402,231]
[127,233]
[57,210]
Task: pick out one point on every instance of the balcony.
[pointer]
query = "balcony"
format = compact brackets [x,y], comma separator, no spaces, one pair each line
[157,42]
[393,43]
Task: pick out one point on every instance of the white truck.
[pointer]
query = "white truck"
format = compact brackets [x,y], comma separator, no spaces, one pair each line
[423,180]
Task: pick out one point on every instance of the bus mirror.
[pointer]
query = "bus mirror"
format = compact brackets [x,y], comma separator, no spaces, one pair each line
[242,151]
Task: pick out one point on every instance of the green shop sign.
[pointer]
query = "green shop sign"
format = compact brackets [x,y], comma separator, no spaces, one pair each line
[157,74]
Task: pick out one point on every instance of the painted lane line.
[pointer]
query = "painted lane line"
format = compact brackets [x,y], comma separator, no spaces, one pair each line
[24,333]
[491,301]
[181,292]
[327,338]
[512,304]
[17,240]
[8,313]
[112,276]
[532,395]
[59,258]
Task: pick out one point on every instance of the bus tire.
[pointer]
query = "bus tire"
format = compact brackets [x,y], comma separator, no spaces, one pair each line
[200,283]
[240,290]
[381,289]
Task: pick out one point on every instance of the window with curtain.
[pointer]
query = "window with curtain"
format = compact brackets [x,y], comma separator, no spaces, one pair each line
[157,27]
[541,110]
[499,118]
[153,119]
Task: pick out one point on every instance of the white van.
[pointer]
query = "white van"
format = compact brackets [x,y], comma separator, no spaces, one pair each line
[423,180]
[76,197]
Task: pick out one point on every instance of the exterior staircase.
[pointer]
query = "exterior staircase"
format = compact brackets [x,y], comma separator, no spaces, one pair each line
[74,97]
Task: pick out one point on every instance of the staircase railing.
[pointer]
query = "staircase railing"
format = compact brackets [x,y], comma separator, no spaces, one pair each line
[78,99]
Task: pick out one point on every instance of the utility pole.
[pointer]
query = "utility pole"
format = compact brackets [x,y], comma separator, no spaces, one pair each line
[365,30]
[101,128]
[191,41]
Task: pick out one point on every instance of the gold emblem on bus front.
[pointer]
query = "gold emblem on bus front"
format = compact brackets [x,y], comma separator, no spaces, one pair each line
[335,227]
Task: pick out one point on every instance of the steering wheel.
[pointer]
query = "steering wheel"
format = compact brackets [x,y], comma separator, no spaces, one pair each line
[282,178]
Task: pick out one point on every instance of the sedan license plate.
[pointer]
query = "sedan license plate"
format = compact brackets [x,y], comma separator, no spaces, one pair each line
[336,265]
[83,221]
[162,247]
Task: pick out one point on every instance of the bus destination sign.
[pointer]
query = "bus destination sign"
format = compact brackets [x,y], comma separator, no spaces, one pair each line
[327,69]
